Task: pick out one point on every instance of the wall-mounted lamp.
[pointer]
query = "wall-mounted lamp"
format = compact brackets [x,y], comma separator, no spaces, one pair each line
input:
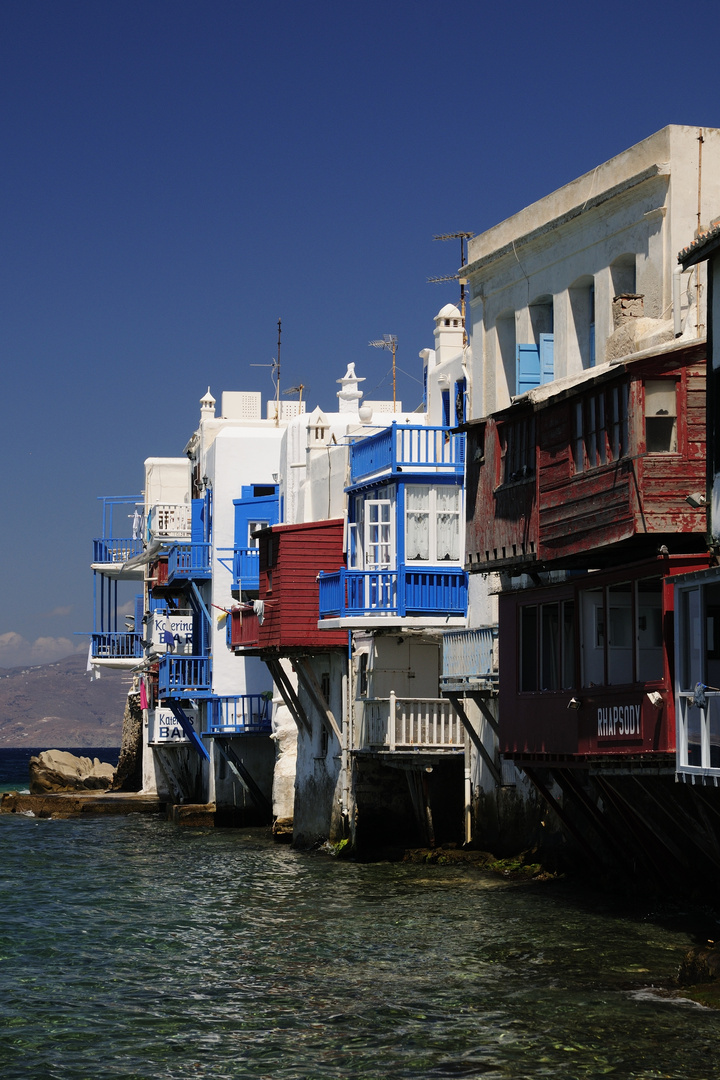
[574,703]
[655,699]
[696,499]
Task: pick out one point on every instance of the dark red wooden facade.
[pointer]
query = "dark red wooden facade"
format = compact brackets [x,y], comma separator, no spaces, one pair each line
[551,481]
[554,706]
[291,557]
[244,628]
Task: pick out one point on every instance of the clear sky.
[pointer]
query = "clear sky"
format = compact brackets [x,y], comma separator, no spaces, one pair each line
[177,174]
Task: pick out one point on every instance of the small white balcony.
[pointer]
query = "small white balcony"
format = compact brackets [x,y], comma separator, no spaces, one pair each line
[395,724]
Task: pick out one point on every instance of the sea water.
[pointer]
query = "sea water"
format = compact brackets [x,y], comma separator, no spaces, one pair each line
[131,948]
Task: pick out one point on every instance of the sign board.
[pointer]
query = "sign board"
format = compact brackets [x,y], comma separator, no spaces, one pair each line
[163,728]
[171,633]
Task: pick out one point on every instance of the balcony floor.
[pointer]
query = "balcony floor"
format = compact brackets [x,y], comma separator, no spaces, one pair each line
[377,620]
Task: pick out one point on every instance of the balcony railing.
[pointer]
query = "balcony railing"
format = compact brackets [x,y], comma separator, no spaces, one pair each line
[184,676]
[402,447]
[108,645]
[116,551]
[189,562]
[245,714]
[243,629]
[246,568]
[170,520]
[393,592]
[395,723]
[468,657]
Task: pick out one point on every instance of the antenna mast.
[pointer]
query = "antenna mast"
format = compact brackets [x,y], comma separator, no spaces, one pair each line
[277,387]
[389,341]
[463,237]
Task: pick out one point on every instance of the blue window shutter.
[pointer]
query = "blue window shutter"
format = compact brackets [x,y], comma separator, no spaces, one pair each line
[446,408]
[547,365]
[527,375]
[197,527]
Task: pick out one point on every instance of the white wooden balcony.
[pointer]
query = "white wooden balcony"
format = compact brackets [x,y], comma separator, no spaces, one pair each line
[170,521]
[401,724]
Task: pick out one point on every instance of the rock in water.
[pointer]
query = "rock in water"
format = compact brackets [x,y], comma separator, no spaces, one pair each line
[57,770]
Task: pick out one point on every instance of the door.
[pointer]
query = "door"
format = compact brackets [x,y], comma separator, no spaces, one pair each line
[380,585]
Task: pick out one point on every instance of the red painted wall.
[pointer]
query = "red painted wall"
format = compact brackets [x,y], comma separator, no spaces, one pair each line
[611,720]
[291,557]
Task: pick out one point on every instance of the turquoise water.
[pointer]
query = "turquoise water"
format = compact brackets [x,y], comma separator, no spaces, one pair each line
[132,948]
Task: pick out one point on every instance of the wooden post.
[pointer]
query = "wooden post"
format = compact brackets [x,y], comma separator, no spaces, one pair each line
[391,720]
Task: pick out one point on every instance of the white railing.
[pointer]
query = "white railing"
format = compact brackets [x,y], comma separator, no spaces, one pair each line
[395,723]
[170,520]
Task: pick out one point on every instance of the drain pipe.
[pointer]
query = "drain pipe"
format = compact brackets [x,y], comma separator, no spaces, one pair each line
[676,305]
[468,792]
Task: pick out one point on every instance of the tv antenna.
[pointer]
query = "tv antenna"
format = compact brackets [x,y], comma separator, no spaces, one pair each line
[463,237]
[275,369]
[388,341]
[296,390]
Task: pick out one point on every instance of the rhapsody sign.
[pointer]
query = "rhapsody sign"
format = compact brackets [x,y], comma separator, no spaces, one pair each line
[614,720]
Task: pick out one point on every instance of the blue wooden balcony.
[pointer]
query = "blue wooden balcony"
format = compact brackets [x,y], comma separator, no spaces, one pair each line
[108,645]
[189,562]
[468,658]
[246,568]
[184,677]
[403,448]
[112,550]
[244,714]
[403,592]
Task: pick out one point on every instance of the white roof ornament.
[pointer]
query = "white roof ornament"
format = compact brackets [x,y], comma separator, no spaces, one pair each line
[448,312]
[349,395]
[207,406]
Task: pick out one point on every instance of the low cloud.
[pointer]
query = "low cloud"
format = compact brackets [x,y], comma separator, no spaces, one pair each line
[17,651]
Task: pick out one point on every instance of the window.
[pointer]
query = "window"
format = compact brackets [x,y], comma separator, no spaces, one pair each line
[600,428]
[518,449]
[621,633]
[661,416]
[432,523]
[547,646]
[535,364]
[698,614]
[460,410]
[253,527]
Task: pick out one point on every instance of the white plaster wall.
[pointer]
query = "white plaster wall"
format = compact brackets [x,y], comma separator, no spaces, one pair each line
[167,480]
[538,252]
[239,456]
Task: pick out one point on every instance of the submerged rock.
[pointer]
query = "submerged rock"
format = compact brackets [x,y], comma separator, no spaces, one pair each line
[57,770]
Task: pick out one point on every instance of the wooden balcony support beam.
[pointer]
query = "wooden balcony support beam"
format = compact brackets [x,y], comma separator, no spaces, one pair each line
[287,692]
[309,681]
[477,742]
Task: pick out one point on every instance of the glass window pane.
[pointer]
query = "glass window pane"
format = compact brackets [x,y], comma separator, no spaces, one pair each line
[689,631]
[549,645]
[528,648]
[568,645]
[620,635]
[592,637]
[649,629]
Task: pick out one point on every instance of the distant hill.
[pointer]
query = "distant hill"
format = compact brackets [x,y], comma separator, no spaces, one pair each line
[52,706]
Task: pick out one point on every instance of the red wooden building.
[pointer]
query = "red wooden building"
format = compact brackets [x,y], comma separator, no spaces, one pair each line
[291,557]
[586,666]
[587,471]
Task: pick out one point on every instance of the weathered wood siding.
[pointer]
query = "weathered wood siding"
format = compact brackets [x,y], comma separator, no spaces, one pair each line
[291,557]
[558,515]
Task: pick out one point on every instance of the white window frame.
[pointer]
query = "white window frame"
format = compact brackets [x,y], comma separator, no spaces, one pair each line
[433,512]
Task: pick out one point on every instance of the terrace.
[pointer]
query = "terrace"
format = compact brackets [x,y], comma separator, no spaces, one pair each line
[401,448]
[403,593]
[184,677]
[189,562]
[243,714]
[395,724]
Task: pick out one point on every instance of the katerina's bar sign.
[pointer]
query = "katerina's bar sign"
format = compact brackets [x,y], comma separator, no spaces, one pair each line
[615,720]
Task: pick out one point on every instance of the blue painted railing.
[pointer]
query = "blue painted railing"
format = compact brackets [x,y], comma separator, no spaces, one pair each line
[184,676]
[402,447]
[189,561]
[116,646]
[468,656]
[115,551]
[244,714]
[397,592]
[246,568]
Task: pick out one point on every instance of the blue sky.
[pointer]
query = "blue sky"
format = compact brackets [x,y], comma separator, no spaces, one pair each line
[177,175]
